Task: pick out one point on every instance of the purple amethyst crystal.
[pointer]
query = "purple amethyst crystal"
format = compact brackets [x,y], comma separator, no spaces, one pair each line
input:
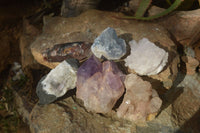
[99,85]
[87,69]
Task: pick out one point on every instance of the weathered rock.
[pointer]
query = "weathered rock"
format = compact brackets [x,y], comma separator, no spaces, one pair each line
[5,51]
[191,64]
[72,8]
[140,100]
[189,51]
[58,30]
[17,71]
[187,26]
[154,10]
[68,116]
[146,58]
[108,45]
[57,82]
[133,5]
[28,36]
[186,105]
[197,51]
[99,85]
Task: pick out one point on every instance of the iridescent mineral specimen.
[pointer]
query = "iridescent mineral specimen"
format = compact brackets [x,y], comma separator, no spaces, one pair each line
[57,82]
[108,45]
[60,52]
[99,85]
[140,100]
[146,58]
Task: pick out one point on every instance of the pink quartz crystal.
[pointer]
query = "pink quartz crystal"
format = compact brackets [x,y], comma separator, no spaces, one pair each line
[99,85]
[139,101]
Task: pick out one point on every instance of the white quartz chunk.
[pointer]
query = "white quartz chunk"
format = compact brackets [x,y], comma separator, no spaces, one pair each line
[60,80]
[146,58]
[108,45]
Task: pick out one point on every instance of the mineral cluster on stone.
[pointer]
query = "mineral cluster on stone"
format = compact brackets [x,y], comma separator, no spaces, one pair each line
[57,82]
[99,85]
[140,100]
[146,58]
[108,45]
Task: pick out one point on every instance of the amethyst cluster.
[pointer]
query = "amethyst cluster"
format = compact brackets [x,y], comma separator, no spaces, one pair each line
[99,85]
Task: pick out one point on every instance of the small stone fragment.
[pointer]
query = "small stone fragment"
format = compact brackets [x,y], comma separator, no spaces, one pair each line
[60,52]
[57,82]
[197,50]
[191,64]
[146,58]
[99,85]
[108,45]
[140,100]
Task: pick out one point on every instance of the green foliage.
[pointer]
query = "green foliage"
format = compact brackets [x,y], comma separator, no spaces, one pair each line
[142,8]
[144,3]
[9,119]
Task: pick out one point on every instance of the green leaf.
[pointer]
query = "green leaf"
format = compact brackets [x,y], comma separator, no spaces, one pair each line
[144,4]
[167,11]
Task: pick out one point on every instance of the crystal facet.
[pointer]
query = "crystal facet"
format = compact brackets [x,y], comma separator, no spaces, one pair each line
[146,58]
[108,45]
[57,82]
[140,99]
[99,85]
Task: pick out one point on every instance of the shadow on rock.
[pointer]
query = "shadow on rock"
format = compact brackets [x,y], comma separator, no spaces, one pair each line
[192,125]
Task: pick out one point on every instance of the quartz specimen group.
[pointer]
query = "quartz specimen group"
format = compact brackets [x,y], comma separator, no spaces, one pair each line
[57,82]
[146,58]
[108,45]
[139,101]
[99,85]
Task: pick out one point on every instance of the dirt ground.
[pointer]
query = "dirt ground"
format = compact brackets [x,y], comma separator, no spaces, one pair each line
[11,16]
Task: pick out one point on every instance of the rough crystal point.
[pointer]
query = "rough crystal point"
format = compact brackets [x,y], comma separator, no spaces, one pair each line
[146,58]
[108,45]
[57,82]
[99,85]
[140,100]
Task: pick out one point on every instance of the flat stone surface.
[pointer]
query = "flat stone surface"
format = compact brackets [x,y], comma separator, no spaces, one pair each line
[184,25]
[28,36]
[185,108]
[69,116]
